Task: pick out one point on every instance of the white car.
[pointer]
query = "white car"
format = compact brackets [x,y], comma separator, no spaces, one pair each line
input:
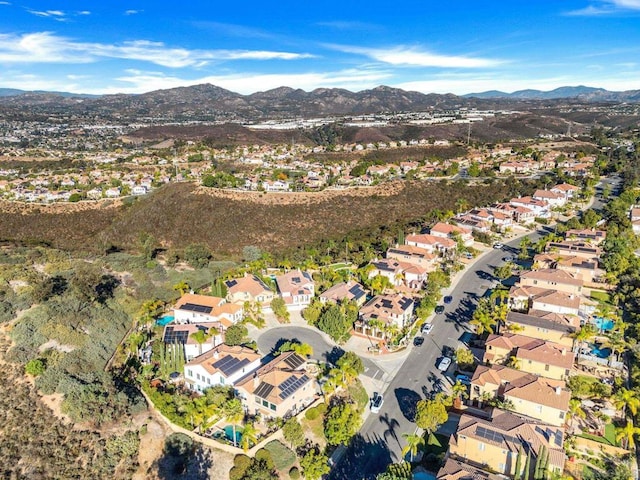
[426,328]
[376,403]
[444,364]
[498,246]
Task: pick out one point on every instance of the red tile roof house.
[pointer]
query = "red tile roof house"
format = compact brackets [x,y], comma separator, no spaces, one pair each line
[446,230]
[431,243]
[248,289]
[414,255]
[566,189]
[553,279]
[296,288]
[350,291]
[193,308]
[399,273]
[552,198]
[540,207]
[541,398]
[176,333]
[396,310]
[587,234]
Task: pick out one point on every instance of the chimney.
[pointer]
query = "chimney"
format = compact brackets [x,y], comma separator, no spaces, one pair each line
[564,352]
[216,354]
[256,380]
[558,390]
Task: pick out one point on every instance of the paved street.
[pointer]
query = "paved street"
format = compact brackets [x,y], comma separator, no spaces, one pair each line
[379,441]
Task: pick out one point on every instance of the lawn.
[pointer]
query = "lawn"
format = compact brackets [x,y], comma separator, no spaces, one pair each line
[600,296]
[609,437]
[283,457]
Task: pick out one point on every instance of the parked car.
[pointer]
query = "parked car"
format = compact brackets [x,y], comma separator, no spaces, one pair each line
[448,299]
[498,245]
[440,309]
[418,341]
[444,364]
[376,402]
[463,379]
[426,328]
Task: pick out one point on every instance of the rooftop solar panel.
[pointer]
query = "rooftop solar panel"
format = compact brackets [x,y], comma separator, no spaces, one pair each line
[175,336]
[229,365]
[231,283]
[294,361]
[292,385]
[263,390]
[192,307]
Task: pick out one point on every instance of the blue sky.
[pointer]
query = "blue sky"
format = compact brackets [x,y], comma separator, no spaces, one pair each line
[428,46]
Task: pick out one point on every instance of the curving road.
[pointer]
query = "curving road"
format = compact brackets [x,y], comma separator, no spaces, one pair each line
[379,441]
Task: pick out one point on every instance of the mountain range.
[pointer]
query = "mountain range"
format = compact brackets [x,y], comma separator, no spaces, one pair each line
[209,102]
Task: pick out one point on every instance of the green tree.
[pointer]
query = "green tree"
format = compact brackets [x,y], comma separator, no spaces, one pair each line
[413,443]
[302,349]
[197,255]
[430,414]
[527,466]
[293,433]
[504,271]
[335,323]
[312,313]
[236,334]
[627,399]
[233,412]
[350,366]
[200,337]
[279,308]
[464,358]
[341,423]
[518,470]
[627,434]
[314,464]
[181,287]
[249,436]
[540,471]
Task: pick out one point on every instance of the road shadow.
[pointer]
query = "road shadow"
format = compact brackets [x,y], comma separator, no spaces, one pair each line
[333,355]
[437,385]
[407,401]
[364,459]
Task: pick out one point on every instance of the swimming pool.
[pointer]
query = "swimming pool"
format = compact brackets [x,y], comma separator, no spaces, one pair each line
[603,324]
[228,431]
[598,351]
[166,320]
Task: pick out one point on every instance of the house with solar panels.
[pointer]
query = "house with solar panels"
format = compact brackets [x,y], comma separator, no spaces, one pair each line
[249,288]
[182,334]
[351,291]
[222,365]
[495,443]
[193,308]
[393,309]
[296,288]
[280,388]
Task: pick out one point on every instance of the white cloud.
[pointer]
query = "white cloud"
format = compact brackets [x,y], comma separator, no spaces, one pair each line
[414,57]
[46,47]
[606,7]
[5,3]
[132,12]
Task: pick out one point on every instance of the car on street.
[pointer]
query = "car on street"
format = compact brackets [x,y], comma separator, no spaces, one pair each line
[440,309]
[498,246]
[444,364]
[376,402]
[463,379]
[418,341]
[448,299]
[426,328]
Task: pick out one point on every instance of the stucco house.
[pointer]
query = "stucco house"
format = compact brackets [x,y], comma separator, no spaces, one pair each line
[222,365]
[296,288]
[249,288]
[194,308]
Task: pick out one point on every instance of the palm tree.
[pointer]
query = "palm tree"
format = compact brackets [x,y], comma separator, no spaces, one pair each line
[200,336]
[181,287]
[233,412]
[200,413]
[249,436]
[459,391]
[616,342]
[575,409]
[626,398]
[413,443]
[627,433]
[583,335]
[513,362]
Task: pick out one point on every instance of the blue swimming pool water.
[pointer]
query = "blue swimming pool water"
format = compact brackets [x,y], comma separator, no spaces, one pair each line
[603,324]
[228,431]
[162,321]
[423,476]
[600,352]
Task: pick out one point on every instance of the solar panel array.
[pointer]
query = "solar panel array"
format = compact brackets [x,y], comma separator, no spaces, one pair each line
[263,390]
[229,364]
[294,361]
[192,307]
[493,436]
[231,283]
[175,336]
[356,291]
[291,384]
[387,303]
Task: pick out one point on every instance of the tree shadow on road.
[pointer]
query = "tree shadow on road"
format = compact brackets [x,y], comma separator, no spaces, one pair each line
[334,355]
[407,400]
[391,426]
[364,459]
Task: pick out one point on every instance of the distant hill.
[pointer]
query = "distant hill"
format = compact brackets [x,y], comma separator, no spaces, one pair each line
[587,94]
[211,103]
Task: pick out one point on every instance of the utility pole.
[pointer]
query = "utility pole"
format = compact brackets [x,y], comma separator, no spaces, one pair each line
[469,133]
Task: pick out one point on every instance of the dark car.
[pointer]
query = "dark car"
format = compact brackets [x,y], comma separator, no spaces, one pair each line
[418,341]
[440,309]
[448,299]
[447,351]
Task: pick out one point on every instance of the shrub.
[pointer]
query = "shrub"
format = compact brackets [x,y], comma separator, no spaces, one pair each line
[240,465]
[322,408]
[264,455]
[294,473]
[312,414]
[35,367]
[179,445]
